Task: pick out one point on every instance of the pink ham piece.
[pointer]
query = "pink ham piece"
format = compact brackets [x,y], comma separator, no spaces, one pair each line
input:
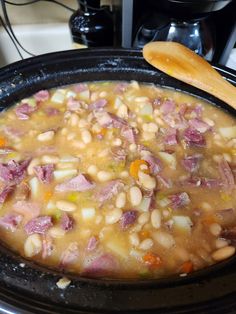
[179,200]
[38,225]
[230,235]
[210,183]
[92,244]
[170,137]
[28,209]
[81,87]
[194,138]
[103,265]
[73,104]
[226,174]
[121,88]
[51,112]
[119,154]
[13,172]
[199,125]
[13,133]
[117,122]
[44,173]
[129,134]
[191,163]
[5,192]
[109,190]
[154,163]
[168,106]
[67,222]
[42,95]
[10,221]
[98,104]
[24,110]
[79,183]
[128,218]
[47,246]
[70,255]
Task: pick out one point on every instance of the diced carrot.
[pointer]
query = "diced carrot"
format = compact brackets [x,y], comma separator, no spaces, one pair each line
[135,167]
[48,195]
[208,220]
[2,142]
[144,234]
[102,132]
[152,260]
[186,267]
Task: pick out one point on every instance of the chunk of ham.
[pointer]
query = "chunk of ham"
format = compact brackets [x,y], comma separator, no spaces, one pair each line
[191,163]
[73,104]
[24,110]
[128,218]
[118,153]
[129,134]
[50,111]
[29,210]
[5,192]
[109,190]
[179,200]
[66,222]
[47,246]
[226,173]
[98,104]
[44,173]
[92,244]
[154,163]
[199,125]
[42,95]
[39,224]
[13,172]
[168,106]
[81,87]
[121,88]
[193,137]
[110,120]
[170,137]
[103,265]
[79,183]
[10,221]
[70,255]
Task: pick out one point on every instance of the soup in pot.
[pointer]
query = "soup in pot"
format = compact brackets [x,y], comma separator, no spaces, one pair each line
[119,180]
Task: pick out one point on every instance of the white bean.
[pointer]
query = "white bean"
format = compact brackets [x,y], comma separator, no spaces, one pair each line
[146,180]
[223,253]
[143,218]
[156,218]
[124,174]
[56,232]
[215,229]
[134,239]
[46,136]
[82,123]
[66,206]
[34,162]
[113,216]
[135,195]
[86,136]
[146,244]
[104,176]
[74,119]
[164,239]
[33,245]
[221,243]
[117,142]
[50,159]
[133,147]
[92,170]
[121,200]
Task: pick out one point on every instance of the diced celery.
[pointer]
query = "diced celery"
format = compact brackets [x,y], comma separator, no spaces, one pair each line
[145,204]
[85,95]
[58,97]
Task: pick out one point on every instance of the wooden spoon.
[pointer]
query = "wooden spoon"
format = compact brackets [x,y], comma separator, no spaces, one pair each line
[182,63]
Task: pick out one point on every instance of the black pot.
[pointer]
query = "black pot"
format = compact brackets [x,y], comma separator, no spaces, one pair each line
[26,287]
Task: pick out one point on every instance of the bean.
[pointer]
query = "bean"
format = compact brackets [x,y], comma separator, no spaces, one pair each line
[143,218]
[46,136]
[86,136]
[64,131]
[103,153]
[78,144]
[66,206]
[164,239]
[124,174]
[34,162]
[122,111]
[206,206]
[82,123]
[146,244]
[223,253]
[71,136]
[65,165]
[50,159]
[156,218]
[134,239]
[113,216]
[215,229]
[220,243]
[121,200]
[104,176]
[92,170]
[117,142]
[150,127]
[146,180]
[133,147]
[32,245]
[74,119]
[135,195]
[56,232]
[103,94]
[148,136]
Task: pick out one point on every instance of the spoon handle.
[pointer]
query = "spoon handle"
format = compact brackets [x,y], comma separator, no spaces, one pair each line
[182,63]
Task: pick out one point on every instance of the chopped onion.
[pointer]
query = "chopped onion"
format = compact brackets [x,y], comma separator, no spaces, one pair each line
[182,222]
[88,212]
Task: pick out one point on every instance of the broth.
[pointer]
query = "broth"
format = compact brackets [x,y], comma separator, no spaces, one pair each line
[118,179]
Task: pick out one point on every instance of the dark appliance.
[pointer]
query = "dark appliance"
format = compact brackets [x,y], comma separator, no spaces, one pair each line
[26,287]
